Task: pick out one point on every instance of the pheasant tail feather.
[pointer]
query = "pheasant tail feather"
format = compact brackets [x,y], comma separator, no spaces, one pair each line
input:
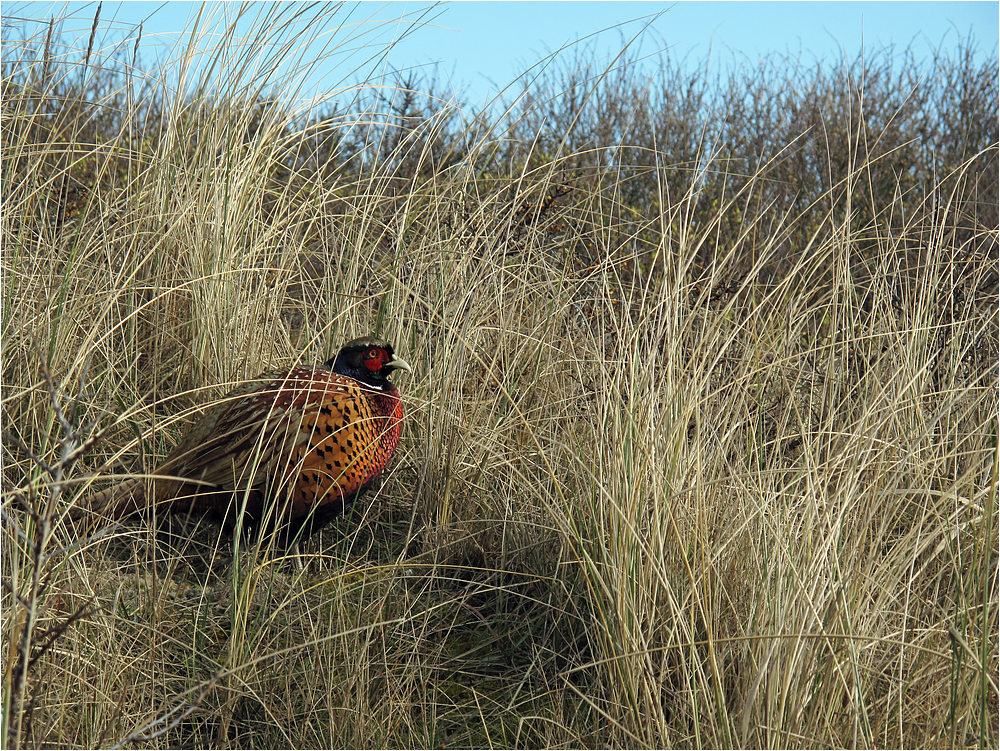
[117,502]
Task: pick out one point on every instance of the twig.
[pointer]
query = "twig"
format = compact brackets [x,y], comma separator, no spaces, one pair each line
[142,736]
[58,629]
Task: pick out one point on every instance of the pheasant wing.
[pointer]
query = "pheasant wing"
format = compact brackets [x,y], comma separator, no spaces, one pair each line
[267,431]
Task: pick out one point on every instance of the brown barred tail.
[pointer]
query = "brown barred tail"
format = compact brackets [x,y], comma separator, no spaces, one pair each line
[118,501]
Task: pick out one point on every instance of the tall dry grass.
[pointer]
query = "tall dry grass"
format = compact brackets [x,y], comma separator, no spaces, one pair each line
[692,458]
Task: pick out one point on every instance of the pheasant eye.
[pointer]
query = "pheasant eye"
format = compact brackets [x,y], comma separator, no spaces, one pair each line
[373,359]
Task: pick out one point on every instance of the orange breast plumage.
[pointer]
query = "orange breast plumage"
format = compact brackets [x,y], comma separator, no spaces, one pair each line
[288,450]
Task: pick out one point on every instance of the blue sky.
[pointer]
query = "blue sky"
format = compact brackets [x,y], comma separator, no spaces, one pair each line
[479,47]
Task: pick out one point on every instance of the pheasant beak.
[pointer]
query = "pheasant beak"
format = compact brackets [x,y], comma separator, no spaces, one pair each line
[398,364]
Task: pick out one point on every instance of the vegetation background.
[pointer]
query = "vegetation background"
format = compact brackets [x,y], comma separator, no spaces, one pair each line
[701,445]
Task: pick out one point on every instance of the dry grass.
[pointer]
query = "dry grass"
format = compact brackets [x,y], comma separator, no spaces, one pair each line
[683,466]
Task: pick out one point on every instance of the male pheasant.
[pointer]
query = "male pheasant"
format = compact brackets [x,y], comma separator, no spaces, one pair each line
[286,452]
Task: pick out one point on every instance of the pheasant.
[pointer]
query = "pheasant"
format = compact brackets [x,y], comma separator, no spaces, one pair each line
[286,452]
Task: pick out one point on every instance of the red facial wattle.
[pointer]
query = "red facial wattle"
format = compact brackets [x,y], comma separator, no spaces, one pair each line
[375,360]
